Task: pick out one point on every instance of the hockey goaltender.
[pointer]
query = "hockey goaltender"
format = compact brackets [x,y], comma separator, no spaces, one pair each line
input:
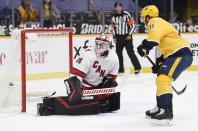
[96,70]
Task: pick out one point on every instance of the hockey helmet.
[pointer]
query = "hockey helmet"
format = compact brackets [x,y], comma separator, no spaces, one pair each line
[102,44]
[150,10]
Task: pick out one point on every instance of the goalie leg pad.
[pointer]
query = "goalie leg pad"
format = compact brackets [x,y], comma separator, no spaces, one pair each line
[46,108]
[112,103]
[73,87]
[63,106]
[83,107]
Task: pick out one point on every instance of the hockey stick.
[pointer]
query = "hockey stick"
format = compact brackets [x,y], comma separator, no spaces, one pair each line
[177,92]
[49,95]
[107,90]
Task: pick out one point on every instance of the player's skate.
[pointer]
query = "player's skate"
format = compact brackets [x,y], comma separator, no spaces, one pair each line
[164,117]
[152,112]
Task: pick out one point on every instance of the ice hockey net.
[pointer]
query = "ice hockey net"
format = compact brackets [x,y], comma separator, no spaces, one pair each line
[37,61]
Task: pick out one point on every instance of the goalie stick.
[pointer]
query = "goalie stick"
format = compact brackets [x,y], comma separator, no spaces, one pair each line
[176,91]
[108,90]
[50,95]
[99,91]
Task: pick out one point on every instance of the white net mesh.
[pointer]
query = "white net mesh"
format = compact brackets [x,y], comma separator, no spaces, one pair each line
[47,62]
[47,65]
[10,76]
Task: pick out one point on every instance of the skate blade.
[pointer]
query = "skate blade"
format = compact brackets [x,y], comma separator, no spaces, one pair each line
[166,122]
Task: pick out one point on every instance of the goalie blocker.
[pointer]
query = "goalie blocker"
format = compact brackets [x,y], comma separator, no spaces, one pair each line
[77,104]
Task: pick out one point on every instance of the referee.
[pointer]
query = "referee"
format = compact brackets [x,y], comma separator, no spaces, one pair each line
[123,27]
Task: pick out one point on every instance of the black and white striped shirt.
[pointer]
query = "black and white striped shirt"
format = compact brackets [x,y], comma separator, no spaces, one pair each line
[122,24]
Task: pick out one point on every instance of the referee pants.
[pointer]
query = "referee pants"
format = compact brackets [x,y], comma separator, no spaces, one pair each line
[121,43]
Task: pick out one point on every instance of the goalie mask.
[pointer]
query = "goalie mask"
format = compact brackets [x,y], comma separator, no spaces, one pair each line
[102,45]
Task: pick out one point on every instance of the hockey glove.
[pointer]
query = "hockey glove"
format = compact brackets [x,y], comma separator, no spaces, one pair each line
[141,51]
[144,48]
[159,63]
[109,82]
[155,69]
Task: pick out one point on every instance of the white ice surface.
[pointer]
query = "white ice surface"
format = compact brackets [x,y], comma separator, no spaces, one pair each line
[138,95]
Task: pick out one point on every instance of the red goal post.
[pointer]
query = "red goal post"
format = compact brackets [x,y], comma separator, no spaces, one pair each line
[23,56]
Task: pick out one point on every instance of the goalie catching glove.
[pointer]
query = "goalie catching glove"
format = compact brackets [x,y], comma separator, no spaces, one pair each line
[109,82]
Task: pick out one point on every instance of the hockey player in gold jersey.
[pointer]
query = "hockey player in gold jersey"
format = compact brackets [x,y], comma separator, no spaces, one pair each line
[176,57]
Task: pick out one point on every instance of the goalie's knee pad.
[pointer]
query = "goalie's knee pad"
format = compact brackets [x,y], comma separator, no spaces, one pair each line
[112,103]
[73,87]
[163,84]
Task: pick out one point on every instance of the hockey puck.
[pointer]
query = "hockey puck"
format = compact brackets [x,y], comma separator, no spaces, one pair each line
[11,84]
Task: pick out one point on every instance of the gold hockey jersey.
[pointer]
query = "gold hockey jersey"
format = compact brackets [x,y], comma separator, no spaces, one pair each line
[166,36]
